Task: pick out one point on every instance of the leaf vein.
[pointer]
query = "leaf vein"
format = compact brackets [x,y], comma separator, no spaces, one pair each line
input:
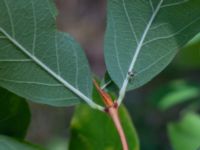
[10,18]
[175,4]
[57,55]
[29,82]
[154,63]
[151,4]
[137,51]
[15,60]
[172,35]
[116,48]
[34,28]
[158,26]
[129,21]
[51,72]
[3,37]
[77,67]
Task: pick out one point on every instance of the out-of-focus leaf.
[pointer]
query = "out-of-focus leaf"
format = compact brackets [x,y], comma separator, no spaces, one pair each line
[94,130]
[143,36]
[175,93]
[7,143]
[188,58]
[57,144]
[14,115]
[185,135]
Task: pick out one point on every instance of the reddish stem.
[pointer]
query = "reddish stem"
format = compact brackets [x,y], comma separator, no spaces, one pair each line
[113,113]
[112,110]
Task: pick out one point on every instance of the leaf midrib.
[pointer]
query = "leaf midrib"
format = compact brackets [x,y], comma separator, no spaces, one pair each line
[139,46]
[49,71]
[137,51]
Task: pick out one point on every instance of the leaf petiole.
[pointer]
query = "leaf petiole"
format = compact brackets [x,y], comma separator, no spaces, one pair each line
[112,110]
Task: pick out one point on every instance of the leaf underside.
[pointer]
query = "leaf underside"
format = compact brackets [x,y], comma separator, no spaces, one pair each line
[145,35]
[37,61]
[7,143]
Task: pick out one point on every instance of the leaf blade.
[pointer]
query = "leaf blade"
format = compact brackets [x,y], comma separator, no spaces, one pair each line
[47,57]
[86,136]
[155,25]
[12,144]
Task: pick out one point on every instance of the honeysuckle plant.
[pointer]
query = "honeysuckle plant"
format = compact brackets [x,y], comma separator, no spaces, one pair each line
[47,66]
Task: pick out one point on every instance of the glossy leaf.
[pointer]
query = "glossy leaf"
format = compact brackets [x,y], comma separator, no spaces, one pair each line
[36,61]
[142,37]
[7,143]
[185,135]
[14,115]
[91,129]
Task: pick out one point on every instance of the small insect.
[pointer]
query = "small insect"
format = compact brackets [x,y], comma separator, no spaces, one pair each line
[131,75]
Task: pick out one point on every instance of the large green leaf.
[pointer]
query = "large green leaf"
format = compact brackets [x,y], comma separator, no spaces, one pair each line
[36,61]
[92,129]
[185,135]
[7,143]
[14,115]
[143,36]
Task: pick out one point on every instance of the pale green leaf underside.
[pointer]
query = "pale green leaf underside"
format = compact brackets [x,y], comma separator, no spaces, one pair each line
[36,61]
[7,143]
[143,36]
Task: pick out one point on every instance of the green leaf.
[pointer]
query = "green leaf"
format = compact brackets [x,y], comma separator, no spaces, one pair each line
[91,129]
[7,143]
[36,61]
[174,93]
[109,85]
[14,115]
[188,58]
[57,144]
[185,135]
[143,36]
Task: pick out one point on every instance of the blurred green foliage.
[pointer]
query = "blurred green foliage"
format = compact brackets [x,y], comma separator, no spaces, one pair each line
[185,134]
[7,143]
[14,115]
[91,129]
[189,57]
[57,144]
[174,93]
